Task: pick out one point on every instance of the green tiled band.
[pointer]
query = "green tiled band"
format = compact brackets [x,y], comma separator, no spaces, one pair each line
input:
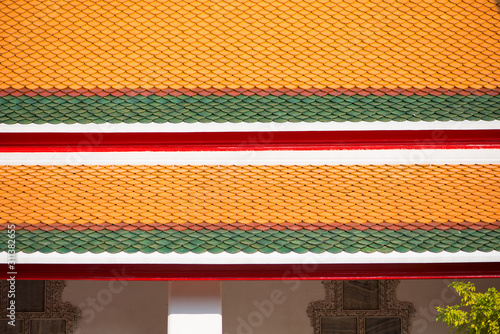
[268,241]
[248,109]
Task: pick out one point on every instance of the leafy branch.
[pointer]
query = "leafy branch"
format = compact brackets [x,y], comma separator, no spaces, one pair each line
[477,313]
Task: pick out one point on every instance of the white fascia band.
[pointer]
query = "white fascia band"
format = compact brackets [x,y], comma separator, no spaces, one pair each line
[242,158]
[256,258]
[241,127]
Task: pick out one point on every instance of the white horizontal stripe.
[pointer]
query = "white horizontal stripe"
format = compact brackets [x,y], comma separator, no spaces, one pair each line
[331,157]
[256,258]
[239,127]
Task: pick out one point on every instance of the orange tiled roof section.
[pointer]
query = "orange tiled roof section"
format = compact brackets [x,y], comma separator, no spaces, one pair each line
[249,44]
[250,194]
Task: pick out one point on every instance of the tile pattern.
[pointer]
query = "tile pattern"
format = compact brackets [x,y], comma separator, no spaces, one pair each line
[242,108]
[235,61]
[249,44]
[248,92]
[380,226]
[286,241]
[407,196]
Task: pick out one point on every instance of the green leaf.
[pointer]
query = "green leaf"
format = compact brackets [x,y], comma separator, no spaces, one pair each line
[482,315]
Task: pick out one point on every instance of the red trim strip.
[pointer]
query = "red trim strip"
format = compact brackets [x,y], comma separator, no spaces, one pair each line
[241,141]
[255,272]
[248,92]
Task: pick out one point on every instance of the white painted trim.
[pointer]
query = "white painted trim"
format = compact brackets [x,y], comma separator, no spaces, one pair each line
[256,258]
[241,127]
[320,157]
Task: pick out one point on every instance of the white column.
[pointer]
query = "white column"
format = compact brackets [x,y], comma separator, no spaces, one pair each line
[194,307]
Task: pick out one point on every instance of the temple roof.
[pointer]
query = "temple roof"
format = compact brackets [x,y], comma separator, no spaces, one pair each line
[252,208]
[276,197]
[104,106]
[250,44]
[240,61]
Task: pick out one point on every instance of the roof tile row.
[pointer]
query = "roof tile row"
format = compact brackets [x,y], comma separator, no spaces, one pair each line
[255,108]
[406,195]
[233,44]
[286,241]
[252,226]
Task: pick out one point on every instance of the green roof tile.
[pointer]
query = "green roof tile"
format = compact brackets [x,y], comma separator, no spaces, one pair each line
[237,109]
[286,241]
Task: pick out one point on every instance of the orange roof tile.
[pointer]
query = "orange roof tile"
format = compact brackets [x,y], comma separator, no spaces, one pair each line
[291,44]
[181,195]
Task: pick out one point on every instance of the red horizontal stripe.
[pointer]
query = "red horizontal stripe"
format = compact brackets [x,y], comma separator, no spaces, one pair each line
[248,92]
[254,271]
[242,141]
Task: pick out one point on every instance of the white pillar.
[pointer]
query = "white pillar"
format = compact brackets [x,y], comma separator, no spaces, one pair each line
[194,307]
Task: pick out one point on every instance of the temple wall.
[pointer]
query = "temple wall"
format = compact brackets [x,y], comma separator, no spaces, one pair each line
[249,307]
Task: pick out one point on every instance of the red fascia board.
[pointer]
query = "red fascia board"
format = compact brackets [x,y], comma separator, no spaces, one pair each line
[241,141]
[254,272]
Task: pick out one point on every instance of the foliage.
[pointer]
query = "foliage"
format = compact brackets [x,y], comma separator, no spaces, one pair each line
[481,314]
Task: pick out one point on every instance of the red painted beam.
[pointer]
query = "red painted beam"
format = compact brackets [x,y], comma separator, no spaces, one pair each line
[241,141]
[255,271]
